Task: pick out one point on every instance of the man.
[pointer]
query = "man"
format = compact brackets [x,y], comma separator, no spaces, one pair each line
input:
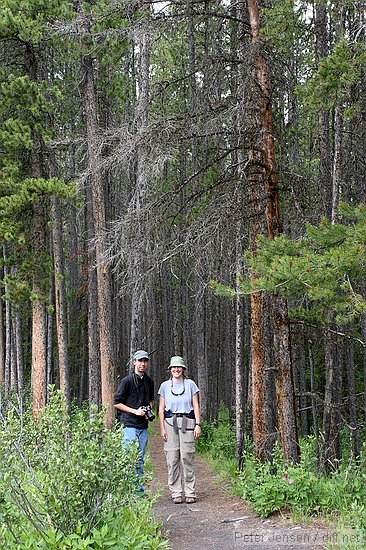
[135,392]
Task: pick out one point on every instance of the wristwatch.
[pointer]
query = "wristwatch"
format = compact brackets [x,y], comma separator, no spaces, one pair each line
[197,424]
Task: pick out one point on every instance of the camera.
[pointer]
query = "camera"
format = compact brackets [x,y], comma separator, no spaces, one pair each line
[150,415]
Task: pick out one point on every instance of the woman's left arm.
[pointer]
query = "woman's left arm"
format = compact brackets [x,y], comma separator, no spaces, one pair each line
[197,415]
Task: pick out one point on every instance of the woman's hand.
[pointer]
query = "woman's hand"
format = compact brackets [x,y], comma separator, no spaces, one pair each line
[163,431]
[197,431]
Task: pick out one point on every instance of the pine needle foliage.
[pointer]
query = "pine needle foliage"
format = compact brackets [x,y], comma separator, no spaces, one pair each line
[326,266]
[321,271]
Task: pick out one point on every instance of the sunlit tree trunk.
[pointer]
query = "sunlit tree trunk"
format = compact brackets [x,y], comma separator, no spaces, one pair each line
[60,299]
[39,314]
[39,318]
[263,172]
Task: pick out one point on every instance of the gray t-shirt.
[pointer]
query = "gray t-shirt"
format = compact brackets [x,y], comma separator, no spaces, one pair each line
[178,403]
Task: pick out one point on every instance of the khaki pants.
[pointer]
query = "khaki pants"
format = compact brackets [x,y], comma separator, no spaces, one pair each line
[179,454]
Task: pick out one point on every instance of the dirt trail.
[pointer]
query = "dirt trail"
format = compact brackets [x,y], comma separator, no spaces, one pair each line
[220,521]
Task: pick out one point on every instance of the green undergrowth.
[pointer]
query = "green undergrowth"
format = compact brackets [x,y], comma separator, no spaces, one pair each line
[65,483]
[279,487]
[217,444]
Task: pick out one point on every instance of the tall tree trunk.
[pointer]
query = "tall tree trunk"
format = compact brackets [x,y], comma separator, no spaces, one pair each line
[336,179]
[51,367]
[2,342]
[285,386]
[138,256]
[349,359]
[325,179]
[60,299]
[200,359]
[260,407]
[332,396]
[263,170]
[94,372]
[314,408]
[74,284]
[240,382]
[202,374]
[7,348]
[19,352]
[13,358]
[301,384]
[363,333]
[359,146]
[199,312]
[39,314]
[98,202]
[360,168]
[39,318]
[338,132]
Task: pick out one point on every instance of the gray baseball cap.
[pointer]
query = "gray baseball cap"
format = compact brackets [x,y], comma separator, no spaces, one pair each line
[140,354]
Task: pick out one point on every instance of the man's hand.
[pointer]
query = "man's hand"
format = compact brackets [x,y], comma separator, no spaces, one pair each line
[140,412]
[164,434]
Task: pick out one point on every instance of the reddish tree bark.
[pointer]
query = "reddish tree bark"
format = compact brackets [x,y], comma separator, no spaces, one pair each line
[263,173]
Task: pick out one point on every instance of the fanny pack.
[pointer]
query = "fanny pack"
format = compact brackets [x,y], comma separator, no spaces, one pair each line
[170,414]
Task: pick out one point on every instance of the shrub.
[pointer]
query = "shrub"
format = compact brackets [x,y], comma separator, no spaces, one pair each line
[272,487]
[66,483]
[217,441]
[276,486]
[125,528]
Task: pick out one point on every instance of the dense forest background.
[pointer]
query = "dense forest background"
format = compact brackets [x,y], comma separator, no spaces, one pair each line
[144,146]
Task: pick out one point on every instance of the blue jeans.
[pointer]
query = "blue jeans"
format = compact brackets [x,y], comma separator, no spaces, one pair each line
[141,436]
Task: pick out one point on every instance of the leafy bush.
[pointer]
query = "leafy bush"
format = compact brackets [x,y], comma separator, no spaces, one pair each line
[125,528]
[217,441]
[273,486]
[68,484]
[276,486]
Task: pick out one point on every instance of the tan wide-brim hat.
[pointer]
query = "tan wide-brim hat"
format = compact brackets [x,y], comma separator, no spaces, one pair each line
[177,361]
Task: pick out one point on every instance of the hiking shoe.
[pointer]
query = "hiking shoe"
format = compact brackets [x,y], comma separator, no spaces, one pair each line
[190,500]
[177,500]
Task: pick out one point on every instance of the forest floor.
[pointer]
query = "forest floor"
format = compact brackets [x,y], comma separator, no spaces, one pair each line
[221,521]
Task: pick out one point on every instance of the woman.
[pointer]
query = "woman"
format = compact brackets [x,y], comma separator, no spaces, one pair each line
[179,416]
